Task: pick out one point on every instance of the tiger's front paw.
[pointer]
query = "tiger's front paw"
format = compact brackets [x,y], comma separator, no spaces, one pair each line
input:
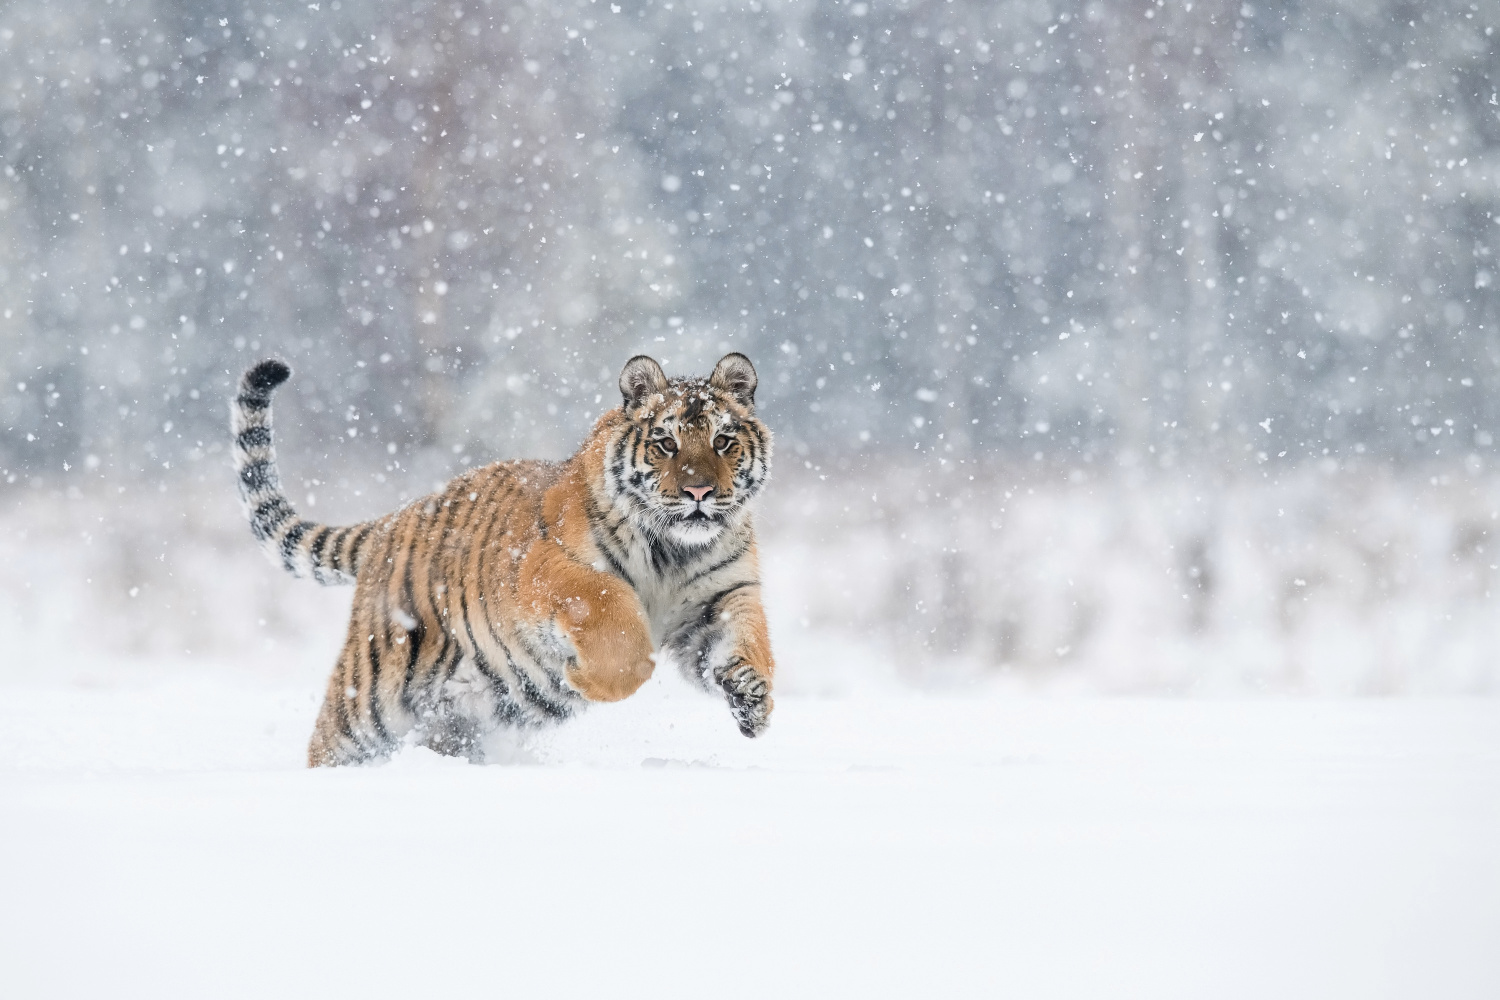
[749,696]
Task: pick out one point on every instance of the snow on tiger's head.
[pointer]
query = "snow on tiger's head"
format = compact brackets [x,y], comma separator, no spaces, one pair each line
[691,454]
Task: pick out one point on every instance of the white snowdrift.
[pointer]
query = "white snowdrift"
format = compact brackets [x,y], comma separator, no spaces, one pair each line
[159,837]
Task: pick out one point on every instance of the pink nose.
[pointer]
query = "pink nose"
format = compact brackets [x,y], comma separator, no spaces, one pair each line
[698,492]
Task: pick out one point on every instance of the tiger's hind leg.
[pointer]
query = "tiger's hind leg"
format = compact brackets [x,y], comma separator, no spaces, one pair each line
[332,745]
[351,727]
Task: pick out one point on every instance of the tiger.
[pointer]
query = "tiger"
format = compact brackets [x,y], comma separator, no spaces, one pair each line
[524,590]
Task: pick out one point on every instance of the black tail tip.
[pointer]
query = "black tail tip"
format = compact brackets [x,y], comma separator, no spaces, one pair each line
[267,375]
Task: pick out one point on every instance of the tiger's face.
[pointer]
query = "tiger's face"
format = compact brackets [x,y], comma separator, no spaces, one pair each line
[692,455]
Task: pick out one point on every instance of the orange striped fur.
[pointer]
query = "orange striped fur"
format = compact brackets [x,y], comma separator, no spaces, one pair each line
[526,589]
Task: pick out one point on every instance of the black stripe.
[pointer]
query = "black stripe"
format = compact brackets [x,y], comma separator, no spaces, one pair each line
[558,686]
[374,688]
[614,564]
[362,633]
[513,710]
[625,455]
[509,710]
[290,539]
[315,550]
[506,706]
[692,642]
[347,727]
[431,687]
[711,609]
[427,596]
[414,636]
[356,544]
[452,665]
[654,550]
[263,523]
[623,545]
[258,474]
[443,665]
[504,491]
[528,686]
[667,554]
[435,554]
[596,518]
[613,473]
[253,403]
[335,561]
[738,554]
[471,509]
[254,437]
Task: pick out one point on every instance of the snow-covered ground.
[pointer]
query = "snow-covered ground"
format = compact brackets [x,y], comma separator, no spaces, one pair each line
[159,837]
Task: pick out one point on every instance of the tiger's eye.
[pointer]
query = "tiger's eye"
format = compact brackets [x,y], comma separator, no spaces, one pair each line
[721,443]
[667,445]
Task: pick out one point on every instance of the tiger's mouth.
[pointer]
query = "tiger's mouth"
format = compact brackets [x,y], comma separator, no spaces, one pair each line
[697,528]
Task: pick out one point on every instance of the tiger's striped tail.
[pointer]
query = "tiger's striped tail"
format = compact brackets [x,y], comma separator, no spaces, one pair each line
[303,548]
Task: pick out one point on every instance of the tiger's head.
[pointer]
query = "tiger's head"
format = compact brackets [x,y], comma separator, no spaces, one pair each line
[691,455]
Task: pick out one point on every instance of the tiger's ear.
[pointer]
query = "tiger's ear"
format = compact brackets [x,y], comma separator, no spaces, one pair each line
[641,379]
[735,375]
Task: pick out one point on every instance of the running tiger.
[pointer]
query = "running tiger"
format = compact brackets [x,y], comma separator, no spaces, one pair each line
[526,589]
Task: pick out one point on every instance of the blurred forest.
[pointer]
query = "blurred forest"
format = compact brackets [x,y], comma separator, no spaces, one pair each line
[1055,304]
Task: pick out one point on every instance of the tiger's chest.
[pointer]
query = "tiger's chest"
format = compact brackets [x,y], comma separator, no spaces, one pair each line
[673,585]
